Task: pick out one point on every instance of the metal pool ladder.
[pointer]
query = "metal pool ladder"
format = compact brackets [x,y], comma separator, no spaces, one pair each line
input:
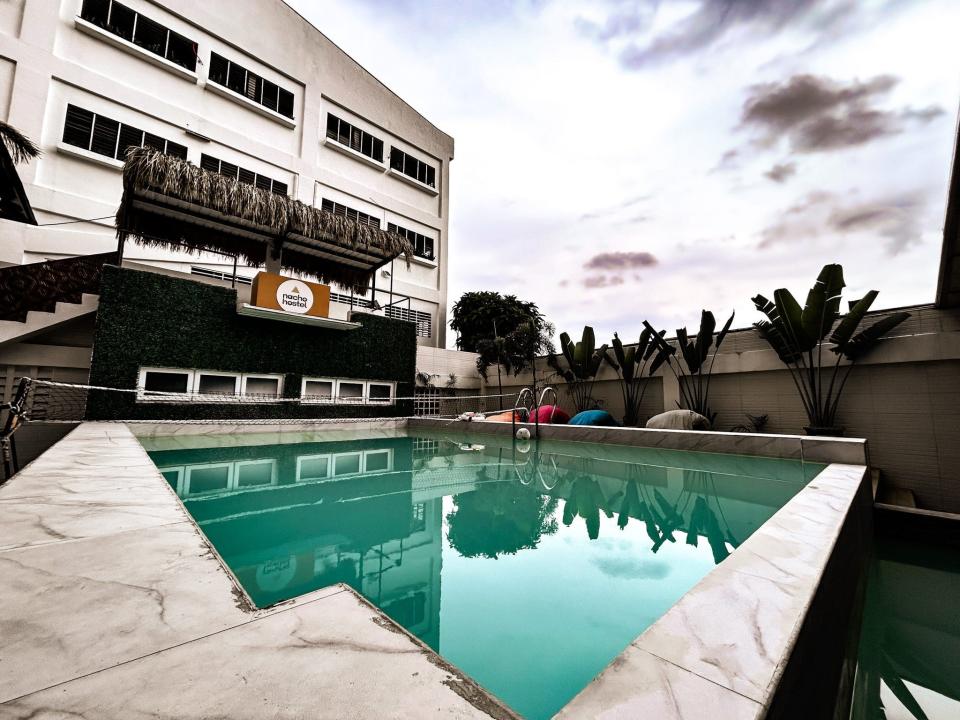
[536,408]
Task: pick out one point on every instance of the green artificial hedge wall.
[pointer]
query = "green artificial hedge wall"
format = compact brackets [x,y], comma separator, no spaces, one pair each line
[146,319]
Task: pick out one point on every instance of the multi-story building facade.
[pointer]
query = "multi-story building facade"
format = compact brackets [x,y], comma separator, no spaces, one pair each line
[247,88]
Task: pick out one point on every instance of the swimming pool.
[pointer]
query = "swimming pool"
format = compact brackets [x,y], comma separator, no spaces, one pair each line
[528,567]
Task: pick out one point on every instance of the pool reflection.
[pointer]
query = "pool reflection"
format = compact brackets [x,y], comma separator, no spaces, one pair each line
[292,518]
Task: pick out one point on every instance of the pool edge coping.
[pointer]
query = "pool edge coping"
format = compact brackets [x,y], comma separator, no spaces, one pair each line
[834,453]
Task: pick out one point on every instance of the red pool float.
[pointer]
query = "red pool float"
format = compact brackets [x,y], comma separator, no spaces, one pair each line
[545,412]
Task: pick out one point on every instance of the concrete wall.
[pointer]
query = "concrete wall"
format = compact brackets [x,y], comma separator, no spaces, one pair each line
[48,58]
[904,399]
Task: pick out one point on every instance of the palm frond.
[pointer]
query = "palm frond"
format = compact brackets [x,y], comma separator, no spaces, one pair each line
[20,147]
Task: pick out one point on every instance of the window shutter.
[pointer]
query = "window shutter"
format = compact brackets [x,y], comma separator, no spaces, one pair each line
[77,127]
[105,133]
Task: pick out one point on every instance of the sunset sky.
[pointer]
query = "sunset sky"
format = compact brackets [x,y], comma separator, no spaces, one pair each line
[617,161]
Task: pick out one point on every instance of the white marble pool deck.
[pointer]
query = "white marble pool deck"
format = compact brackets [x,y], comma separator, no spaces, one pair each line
[114,605]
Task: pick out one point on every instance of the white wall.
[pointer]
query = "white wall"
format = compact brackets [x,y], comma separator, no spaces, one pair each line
[48,59]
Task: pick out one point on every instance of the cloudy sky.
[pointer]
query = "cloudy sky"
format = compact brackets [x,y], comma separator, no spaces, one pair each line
[626,159]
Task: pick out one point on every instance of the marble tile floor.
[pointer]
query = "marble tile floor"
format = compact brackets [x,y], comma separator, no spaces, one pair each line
[115,606]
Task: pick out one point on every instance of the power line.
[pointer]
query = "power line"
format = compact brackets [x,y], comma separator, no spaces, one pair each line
[70,222]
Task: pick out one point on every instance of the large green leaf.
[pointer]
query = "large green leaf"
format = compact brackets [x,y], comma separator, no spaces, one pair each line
[594,361]
[772,334]
[865,341]
[618,350]
[851,321]
[708,324]
[630,366]
[767,307]
[566,346]
[644,341]
[658,342]
[725,330]
[662,356]
[579,360]
[688,351]
[589,342]
[823,302]
[791,320]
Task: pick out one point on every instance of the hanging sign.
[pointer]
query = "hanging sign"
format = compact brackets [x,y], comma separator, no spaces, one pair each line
[290,295]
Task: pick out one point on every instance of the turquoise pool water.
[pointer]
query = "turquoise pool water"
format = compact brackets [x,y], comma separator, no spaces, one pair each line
[529,568]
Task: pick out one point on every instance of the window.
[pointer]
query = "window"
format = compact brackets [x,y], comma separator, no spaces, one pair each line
[253,87]
[216,383]
[262,386]
[426,402]
[412,167]
[422,245]
[378,392]
[133,27]
[156,385]
[317,390]
[418,517]
[99,134]
[347,464]
[358,217]
[350,391]
[354,392]
[208,162]
[377,461]
[253,473]
[165,381]
[313,467]
[202,479]
[354,138]
[424,320]
[219,477]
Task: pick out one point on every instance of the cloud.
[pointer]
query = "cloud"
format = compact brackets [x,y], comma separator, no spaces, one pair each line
[730,160]
[625,19]
[781,172]
[632,568]
[709,23]
[619,261]
[815,113]
[823,216]
[602,281]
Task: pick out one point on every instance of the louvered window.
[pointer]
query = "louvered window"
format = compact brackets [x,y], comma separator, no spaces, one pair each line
[413,167]
[359,217]
[99,134]
[250,85]
[117,19]
[208,162]
[423,320]
[354,138]
[422,245]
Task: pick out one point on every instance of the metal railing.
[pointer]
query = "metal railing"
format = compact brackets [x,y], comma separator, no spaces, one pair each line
[16,416]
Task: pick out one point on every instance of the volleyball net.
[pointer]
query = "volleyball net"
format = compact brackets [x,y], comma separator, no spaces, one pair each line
[49,401]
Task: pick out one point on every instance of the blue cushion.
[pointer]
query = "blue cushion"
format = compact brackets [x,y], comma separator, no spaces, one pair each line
[593,417]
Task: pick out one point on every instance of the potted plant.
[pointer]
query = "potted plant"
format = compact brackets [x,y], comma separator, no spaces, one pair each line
[693,375]
[798,336]
[583,363]
[631,362]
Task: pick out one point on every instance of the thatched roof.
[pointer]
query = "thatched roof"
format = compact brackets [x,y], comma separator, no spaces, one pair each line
[172,203]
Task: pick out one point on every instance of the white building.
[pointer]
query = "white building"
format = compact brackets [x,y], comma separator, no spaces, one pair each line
[245,87]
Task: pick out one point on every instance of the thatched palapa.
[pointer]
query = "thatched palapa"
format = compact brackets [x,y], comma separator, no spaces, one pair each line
[172,203]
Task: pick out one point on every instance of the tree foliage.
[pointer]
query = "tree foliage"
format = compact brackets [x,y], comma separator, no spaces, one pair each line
[501,328]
